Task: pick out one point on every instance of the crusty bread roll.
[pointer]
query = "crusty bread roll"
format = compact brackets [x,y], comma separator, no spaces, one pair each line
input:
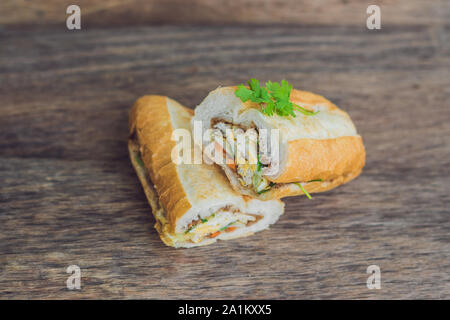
[193,204]
[316,152]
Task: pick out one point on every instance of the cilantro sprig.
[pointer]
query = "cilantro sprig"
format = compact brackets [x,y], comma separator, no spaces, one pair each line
[274,98]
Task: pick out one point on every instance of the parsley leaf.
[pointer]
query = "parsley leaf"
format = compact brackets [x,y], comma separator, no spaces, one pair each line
[274,98]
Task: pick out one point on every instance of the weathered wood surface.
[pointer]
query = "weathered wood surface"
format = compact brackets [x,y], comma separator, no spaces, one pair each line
[68,193]
[115,13]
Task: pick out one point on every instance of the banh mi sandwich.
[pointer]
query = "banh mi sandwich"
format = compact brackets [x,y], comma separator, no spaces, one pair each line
[317,148]
[193,204]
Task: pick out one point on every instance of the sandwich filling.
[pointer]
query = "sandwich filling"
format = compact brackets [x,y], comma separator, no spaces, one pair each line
[224,220]
[247,157]
[227,219]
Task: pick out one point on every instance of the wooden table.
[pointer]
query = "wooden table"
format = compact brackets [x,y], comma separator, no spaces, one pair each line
[69,196]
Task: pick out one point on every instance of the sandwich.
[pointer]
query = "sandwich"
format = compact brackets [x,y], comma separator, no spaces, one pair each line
[316,148]
[193,204]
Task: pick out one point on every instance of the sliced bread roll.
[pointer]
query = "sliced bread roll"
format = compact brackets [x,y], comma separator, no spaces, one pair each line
[314,152]
[193,204]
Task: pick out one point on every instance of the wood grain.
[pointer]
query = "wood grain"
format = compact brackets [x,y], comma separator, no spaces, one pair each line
[115,13]
[68,194]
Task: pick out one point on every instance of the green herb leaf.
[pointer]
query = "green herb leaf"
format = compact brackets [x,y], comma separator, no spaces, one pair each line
[189,230]
[304,191]
[139,160]
[259,165]
[226,227]
[273,99]
[244,93]
[316,180]
[305,111]
[254,86]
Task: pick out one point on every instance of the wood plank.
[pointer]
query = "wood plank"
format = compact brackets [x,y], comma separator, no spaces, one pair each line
[68,194]
[97,13]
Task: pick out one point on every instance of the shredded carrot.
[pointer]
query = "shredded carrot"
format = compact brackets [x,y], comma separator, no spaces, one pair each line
[215,234]
[231,165]
[229,229]
[229,161]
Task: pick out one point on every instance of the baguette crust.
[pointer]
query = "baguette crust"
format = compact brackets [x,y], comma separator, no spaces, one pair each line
[310,159]
[292,189]
[150,120]
[326,159]
[161,225]
[152,196]
[282,190]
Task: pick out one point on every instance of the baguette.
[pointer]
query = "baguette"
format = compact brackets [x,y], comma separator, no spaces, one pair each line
[316,152]
[193,204]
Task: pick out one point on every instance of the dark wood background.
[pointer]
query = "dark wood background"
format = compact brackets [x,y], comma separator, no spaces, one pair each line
[68,193]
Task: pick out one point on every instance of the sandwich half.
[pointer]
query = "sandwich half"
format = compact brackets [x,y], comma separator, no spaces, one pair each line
[312,153]
[193,204]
